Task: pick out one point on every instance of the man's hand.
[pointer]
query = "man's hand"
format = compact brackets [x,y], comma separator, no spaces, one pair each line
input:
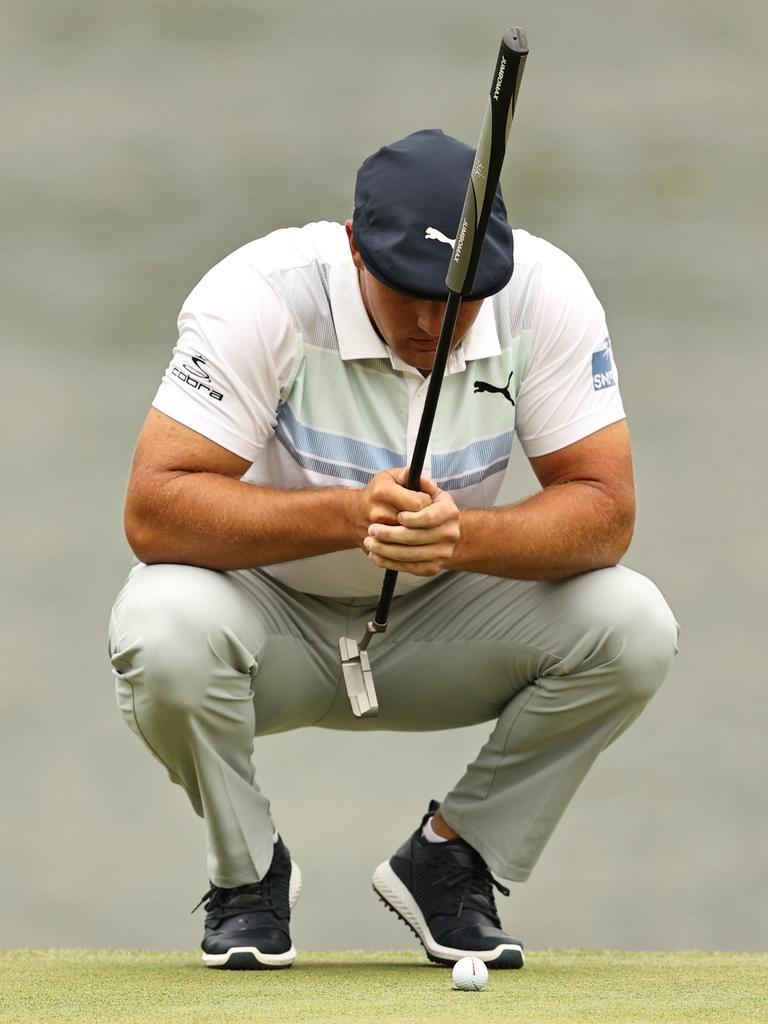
[409,531]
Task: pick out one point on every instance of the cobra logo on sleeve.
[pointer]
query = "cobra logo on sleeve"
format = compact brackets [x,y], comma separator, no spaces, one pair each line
[197,377]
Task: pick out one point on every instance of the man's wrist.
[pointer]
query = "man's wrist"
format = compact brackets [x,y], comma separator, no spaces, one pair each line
[461,553]
[349,507]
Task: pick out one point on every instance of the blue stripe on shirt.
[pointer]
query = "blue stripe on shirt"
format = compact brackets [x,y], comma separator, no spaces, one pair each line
[455,483]
[345,457]
[476,455]
[348,458]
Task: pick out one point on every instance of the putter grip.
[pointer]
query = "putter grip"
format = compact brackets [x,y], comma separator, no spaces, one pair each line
[489,158]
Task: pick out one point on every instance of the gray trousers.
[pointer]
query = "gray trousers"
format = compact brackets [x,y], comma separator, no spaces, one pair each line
[206,661]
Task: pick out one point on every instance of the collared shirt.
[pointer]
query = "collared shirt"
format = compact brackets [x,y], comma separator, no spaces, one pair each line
[277,361]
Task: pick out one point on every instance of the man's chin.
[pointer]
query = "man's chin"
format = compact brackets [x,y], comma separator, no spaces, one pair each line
[423,366]
[422,357]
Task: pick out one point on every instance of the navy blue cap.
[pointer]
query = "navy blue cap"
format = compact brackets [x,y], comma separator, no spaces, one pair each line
[408,202]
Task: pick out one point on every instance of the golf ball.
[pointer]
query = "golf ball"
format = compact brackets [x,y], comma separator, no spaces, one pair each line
[469,974]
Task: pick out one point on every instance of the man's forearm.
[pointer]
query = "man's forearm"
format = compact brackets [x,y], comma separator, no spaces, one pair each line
[222,523]
[563,530]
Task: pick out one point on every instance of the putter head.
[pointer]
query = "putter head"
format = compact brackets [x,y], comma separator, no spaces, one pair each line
[358,678]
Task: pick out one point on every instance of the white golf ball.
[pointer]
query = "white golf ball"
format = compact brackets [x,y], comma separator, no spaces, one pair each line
[469,974]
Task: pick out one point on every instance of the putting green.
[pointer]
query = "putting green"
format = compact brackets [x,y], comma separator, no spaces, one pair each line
[558,986]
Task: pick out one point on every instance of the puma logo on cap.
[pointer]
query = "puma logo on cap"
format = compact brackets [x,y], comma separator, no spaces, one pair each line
[437,236]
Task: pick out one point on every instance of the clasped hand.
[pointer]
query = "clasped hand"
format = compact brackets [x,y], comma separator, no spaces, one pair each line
[409,531]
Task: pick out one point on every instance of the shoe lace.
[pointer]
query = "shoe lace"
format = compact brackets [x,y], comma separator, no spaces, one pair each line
[474,884]
[223,903]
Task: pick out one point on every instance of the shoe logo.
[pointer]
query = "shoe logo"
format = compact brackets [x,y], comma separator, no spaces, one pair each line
[603,372]
[437,236]
[480,385]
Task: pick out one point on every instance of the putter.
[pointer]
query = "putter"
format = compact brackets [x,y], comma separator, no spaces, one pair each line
[470,234]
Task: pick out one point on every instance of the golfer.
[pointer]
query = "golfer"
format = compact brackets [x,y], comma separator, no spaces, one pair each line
[267,495]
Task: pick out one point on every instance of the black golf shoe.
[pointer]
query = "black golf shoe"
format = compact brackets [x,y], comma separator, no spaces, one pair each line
[444,893]
[247,928]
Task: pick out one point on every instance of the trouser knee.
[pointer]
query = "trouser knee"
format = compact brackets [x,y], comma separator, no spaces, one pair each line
[648,638]
[170,643]
[629,634]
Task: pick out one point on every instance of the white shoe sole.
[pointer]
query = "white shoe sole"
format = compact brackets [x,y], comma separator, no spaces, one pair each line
[251,958]
[396,896]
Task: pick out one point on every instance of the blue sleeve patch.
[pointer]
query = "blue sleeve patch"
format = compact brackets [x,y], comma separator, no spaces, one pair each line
[603,373]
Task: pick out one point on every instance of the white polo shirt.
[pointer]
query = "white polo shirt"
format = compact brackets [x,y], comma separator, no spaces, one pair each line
[277,361]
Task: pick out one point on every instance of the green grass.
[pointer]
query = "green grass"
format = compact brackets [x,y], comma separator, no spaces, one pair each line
[555,986]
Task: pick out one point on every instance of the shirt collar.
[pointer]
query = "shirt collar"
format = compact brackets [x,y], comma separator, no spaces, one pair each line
[358,339]
[354,330]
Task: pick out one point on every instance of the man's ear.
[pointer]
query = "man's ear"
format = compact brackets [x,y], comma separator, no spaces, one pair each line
[356,258]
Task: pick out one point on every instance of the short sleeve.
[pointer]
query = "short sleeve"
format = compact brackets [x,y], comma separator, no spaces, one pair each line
[571,386]
[236,351]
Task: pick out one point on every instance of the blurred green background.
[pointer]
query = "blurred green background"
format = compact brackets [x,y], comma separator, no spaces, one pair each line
[144,141]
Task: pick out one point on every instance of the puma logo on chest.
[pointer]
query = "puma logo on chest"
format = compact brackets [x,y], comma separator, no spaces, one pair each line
[480,385]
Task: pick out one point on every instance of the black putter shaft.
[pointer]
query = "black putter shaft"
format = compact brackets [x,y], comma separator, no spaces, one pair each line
[470,235]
